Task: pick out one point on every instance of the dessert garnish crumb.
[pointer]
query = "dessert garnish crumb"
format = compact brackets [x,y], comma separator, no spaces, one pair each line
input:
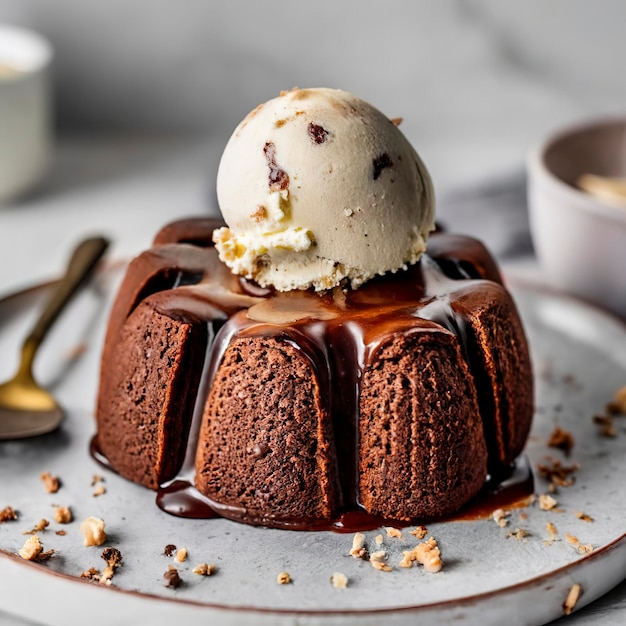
[547,502]
[32,550]
[61,533]
[606,426]
[172,577]
[96,478]
[91,574]
[169,549]
[283,578]
[181,555]
[552,531]
[420,532]
[339,580]
[358,550]
[581,548]
[426,553]
[583,516]
[557,473]
[100,490]
[378,560]
[93,531]
[572,598]
[500,517]
[204,569]
[8,514]
[519,534]
[42,524]
[51,483]
[393,532]
[113,558]
[379,540]
[62,514]
[620,400]
[561,439]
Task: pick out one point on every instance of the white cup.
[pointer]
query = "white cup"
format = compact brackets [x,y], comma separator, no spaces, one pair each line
[25,109]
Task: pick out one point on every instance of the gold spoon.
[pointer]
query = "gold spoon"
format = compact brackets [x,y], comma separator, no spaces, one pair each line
[607,189]
[26,409]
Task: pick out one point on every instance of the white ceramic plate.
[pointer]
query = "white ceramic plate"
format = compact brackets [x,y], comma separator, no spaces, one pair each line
[580,360]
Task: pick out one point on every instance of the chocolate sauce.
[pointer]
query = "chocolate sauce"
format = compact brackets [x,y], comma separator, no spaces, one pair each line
[337,331]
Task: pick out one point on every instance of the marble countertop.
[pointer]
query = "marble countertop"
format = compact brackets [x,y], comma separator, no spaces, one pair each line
[127,186]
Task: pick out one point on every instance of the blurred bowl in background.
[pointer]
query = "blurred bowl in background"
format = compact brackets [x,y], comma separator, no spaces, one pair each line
[25,109]
[580,239]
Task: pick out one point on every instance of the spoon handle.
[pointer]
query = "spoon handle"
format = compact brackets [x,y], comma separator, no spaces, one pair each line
[81,265]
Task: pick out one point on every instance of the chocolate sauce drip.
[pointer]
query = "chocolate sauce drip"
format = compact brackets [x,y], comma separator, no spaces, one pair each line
[337,331]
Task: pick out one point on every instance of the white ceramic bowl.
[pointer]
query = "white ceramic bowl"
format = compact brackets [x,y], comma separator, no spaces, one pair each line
[579,240]
[25,114]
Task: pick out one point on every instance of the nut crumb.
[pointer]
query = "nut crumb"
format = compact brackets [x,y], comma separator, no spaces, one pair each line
[426,553]
[519,534]
[500,517]
[283,578]
[620,400]
[572,598]
[379,540]
[583,516]
[358,550]
[32,550]
[204,569]
[547,502]
[606,426]
[181,555]
[62,514]
[51,483]
[8,514]
[557,473]
[173,578]
[393,532]
[561,439]
[571,539]
[260,214]
[91,574]
[339,580]
[100,490]
[380,555]
[96,478]
[552,531]
[420,532]
[61,533]
[93,531]
[381,566]
[396,121]
[169,549]
[41,525]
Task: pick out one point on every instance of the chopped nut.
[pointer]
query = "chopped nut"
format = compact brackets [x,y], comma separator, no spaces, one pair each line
[571,539]
[93,531]
[620,400]
[42,524]
[31,549]
[380,555]
[62,514]
[426,553]
[358,550]
[96,478]
[379,540]
[339,580]
[547,502]
[112,556]
[204,569]
[100,490]
[50,482]
[519,534]
[381,566]
[584,548]
[181,555]
[572,598]
[552,531]
[420,532]
[7,514]
[283,578]
[393,532]
[583,516]
[91,574]
[500,517]
[169,549]
[561,439]
[606,425]
[557,473]
[61,533]
[173,578]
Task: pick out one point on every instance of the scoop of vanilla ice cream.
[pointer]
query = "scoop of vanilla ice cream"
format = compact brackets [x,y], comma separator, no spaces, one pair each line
[319,187]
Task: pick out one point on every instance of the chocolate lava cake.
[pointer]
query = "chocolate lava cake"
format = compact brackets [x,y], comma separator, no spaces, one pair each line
[289,409]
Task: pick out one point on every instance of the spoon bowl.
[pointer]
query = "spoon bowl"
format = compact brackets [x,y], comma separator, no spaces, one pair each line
[26,408]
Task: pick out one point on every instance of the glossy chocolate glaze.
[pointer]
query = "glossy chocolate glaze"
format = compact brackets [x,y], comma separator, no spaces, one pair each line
[336,331]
